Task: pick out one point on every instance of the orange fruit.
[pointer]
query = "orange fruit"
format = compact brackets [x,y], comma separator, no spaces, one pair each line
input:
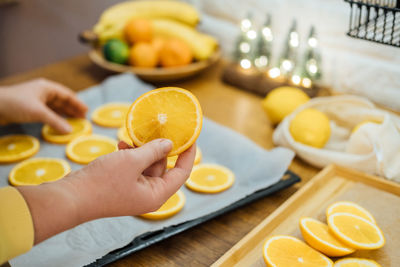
[158,44]
[85,149]
[210,178]
[171,161]
[170,112]
[355,231]
[285,251]
[110,115]
[175,53]
[143,55]
[138,30]
[318,236]
[349,207]
[356,262]
[17,147]
[38,170]
[79,127]
[171,207]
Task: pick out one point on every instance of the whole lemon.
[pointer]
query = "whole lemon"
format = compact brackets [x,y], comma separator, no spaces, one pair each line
[310,127]
[355,129]
[282,101]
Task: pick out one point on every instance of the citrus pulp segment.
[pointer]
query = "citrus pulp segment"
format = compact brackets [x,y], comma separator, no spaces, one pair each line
[210,178]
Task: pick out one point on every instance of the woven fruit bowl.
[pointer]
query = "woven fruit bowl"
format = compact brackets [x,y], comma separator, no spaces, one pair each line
[155,74]
[157,40]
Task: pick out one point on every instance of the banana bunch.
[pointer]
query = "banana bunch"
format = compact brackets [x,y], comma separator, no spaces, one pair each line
[170,19]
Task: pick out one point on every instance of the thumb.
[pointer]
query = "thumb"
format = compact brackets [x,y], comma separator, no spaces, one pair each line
[152,152]
[48,116]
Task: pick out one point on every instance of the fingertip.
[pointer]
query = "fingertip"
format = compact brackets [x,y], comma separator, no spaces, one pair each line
[122,145]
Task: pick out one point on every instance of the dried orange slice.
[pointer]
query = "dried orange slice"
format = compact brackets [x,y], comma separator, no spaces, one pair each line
[356,262]
[171,161]
[210,178]
[110,115]
[17,147]
[85,149]
[122,135]
[169,112]
[349,207]
[171,207]
[38,170]
[285,251]
[318,236]
[355,231]
[79,127]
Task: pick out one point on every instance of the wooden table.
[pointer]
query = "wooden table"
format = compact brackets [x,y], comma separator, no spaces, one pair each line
[227,105]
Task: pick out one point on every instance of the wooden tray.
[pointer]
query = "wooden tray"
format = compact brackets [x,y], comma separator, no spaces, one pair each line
[381,197]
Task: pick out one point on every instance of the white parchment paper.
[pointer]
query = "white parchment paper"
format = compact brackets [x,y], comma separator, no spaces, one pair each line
[254,167]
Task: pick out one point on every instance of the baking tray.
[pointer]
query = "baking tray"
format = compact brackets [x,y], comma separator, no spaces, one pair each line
[381,197]
[150,238]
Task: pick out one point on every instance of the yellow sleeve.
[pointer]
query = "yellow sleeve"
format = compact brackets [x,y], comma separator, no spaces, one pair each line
[16,226]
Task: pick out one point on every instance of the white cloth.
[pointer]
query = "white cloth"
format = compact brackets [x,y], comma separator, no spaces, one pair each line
[374,148]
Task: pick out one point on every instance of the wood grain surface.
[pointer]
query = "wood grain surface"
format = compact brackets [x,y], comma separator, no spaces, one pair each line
[227,105]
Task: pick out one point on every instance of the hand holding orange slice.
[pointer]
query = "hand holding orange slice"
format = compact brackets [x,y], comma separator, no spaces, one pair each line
[170,112]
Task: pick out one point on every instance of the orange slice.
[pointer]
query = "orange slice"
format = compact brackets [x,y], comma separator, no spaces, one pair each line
[285,251]
[355,231]
[17,147]
[85,149]
[349,207]
[171,207]
[171,161]
[169,112]
[210,178]
[38,170]
[356,262]
[122,135]
[110,115]
[79,127]
[318,236]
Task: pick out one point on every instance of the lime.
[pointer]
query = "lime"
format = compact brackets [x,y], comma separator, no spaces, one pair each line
[282,101]
[116,51]
[310,127]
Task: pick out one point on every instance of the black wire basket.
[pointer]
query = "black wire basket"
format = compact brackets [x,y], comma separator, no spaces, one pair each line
[375,20]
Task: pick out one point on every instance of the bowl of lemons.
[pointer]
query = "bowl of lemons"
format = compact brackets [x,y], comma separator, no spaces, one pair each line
[156,40]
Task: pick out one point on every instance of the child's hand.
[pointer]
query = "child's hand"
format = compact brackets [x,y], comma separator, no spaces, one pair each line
[131,181]
[40,100]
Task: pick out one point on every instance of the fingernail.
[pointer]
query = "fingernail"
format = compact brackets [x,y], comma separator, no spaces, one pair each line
[166,145]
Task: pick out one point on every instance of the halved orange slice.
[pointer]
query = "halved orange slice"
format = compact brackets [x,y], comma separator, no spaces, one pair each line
[349,207]
[171,161]
[85,149]
[172,113]
[38,170]
[17,147]
[356,262]
[285,251]
[355,231]
[318,236]
[79,127]
[110,115]
[171,207]
[210,178]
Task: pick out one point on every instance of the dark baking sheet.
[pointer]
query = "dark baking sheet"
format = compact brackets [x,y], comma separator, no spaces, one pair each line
[150,238]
